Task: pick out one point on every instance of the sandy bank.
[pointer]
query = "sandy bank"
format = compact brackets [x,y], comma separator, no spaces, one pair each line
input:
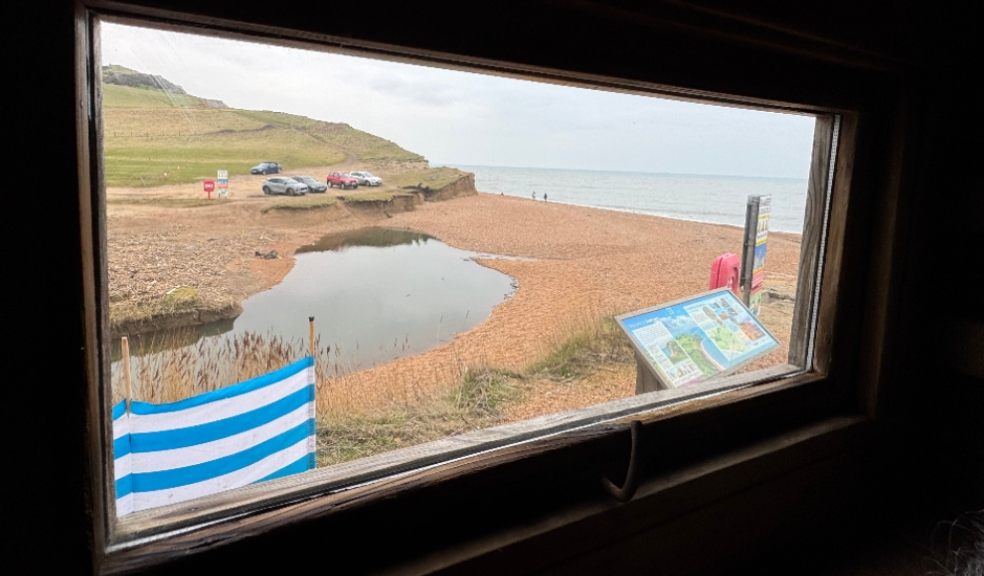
[583,264]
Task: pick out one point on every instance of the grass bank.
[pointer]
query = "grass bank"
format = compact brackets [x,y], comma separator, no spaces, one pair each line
[302,203]
[432,178]
[374,196]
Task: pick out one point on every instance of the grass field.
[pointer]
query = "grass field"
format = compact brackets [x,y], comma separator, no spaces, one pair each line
[153,137]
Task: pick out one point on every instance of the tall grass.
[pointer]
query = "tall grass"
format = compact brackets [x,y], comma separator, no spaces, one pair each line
[176,370]
[401,403]
[173,365]
[483,391]
[477,402]
[582,349]
[364,412]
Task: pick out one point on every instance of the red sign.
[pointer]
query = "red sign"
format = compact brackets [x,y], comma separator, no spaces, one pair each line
[209,185]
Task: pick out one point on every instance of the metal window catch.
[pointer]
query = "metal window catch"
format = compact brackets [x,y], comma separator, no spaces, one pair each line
[628,489]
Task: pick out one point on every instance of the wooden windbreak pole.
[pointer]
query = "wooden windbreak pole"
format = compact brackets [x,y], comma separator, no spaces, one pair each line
[311,334]
[125,352]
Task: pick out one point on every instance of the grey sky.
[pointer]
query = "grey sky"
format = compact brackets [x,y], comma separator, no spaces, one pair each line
[454,117]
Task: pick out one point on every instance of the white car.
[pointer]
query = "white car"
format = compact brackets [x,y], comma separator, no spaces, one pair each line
[366,178]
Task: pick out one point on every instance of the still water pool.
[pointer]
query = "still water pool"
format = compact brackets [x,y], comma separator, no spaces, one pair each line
[376,295]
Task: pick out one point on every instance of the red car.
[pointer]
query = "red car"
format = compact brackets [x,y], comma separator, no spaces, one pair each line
[339,180]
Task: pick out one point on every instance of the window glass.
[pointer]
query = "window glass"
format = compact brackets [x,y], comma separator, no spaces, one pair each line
[467,250]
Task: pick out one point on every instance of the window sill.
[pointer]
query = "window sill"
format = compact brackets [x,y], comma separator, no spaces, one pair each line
[599,430]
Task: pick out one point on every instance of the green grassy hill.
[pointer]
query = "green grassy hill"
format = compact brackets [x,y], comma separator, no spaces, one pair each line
[156,134]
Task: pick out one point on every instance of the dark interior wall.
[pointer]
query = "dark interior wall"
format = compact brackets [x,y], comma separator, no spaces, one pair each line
[43,420]
[933,420]
[940,372]
[928,468]
[929,464]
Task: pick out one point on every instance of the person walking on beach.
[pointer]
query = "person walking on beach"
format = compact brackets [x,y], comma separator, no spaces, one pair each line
[534,194]
[544,196]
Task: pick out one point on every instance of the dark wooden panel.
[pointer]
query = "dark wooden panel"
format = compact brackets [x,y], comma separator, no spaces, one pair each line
[664,45]
[837,292]
[813,241]
[602,528]
[43,411]
[712,538]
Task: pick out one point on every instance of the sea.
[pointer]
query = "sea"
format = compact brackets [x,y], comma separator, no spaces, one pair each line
[698,198]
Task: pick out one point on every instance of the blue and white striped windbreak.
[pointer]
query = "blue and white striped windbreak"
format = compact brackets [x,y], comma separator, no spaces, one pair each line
[248,432]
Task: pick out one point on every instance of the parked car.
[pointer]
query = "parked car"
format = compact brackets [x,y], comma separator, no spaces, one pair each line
[286,186]
[313,185]
[339,180]
[366,178]
[265,168]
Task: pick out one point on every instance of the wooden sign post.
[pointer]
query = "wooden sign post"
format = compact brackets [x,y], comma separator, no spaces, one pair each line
[753,250]
[127,376]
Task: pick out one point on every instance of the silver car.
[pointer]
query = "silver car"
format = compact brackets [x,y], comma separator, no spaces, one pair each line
[366,178]
[286,186]
[312,184]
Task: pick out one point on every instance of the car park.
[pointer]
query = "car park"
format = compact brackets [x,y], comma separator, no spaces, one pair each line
[286,186]
[265,168]
[313,185]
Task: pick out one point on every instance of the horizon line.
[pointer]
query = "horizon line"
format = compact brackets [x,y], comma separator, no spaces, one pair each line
[622,171]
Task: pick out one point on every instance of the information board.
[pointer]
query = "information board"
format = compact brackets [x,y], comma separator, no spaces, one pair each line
[696,339]
[223,178]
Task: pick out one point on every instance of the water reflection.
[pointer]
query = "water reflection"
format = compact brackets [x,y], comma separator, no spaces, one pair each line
[365,237]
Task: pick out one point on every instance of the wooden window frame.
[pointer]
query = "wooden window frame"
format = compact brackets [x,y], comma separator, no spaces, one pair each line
[825,405]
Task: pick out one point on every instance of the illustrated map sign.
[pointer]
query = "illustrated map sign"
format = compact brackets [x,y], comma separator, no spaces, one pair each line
[696,339]
[754,248]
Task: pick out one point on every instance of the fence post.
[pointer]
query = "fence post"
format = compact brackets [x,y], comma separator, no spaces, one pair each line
[125,351]
[311,334]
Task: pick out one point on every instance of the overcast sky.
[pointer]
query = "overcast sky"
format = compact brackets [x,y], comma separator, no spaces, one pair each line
[460,118]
